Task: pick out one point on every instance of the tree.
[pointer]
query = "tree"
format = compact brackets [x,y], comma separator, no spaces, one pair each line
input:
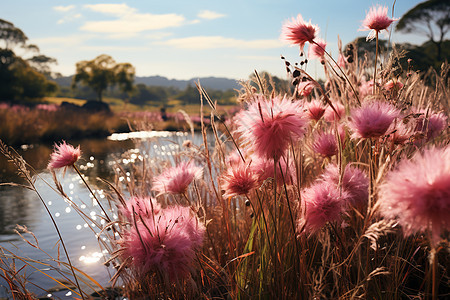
[22,78]
[11,35]
[430,18]
[102,72]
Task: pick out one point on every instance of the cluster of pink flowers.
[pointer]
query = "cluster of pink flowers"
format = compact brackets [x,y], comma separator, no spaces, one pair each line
[48,107]
[330,195]
[354,183]
[163,243]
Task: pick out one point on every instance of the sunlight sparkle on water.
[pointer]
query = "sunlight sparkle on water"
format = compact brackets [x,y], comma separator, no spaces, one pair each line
[91,258]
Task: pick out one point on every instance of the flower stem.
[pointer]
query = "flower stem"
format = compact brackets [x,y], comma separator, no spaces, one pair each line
[375,67]
[92,193]
[342,71]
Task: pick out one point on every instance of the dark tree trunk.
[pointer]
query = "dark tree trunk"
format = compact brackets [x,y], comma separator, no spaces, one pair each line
[100,96]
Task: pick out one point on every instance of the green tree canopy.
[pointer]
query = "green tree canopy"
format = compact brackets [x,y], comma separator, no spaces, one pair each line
[22,78]
[11,36]
[431,19]
[103,71]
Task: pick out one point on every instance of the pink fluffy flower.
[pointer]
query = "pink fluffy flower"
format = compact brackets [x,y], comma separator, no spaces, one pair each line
[64,155]
[176,180]
[372,119]
[376,20]
[391,85]
[305,88]
[269,125]
[431,123]
[317,50]
[164,245]
[325,144]
[332,115]
[315,110]
[355,183]
[140,206]
[298,32]
[417,192]
[238,180]
[322,203]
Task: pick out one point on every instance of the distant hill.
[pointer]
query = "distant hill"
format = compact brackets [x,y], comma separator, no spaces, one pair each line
[214,83]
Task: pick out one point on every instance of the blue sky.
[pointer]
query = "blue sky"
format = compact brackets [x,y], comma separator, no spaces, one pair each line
[187,39]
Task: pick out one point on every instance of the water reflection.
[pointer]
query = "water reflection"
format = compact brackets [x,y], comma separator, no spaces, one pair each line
[22,206]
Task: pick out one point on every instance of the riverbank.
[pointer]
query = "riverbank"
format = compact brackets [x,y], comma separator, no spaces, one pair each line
[48,123]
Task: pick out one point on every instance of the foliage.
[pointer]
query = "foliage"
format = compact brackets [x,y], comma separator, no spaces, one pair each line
[430,18]
[22,78]
[10,35]
[102,72]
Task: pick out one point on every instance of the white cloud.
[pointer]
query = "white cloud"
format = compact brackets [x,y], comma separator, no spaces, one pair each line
[64,8]
[69,18]
[112,9]
[209,15]
[129,21]
[214,42]
[63,41]
[157,35]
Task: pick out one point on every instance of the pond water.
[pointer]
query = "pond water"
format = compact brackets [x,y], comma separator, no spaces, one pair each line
[21,206]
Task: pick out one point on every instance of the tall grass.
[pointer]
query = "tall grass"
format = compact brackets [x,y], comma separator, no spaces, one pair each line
[263,243]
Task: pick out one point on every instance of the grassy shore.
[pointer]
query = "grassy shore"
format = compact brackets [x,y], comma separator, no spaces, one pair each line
[50,122]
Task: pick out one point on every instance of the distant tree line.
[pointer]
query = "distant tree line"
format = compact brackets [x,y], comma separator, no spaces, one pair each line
[144,95]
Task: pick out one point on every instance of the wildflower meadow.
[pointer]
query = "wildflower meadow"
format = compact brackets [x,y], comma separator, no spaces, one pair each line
[335,189]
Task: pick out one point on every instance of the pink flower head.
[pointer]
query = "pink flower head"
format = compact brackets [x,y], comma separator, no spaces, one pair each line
[393,86]
[317,50]
[64,155]
[355,183]
[372,119]
[332,115]
[140,206]
[165,244]
[269,125]
[417,192]
[325,144]
[322,203]
[305,88]
[238,180]
[431,123]
[176,180]
[376,20]
[298,32]
[315,110]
